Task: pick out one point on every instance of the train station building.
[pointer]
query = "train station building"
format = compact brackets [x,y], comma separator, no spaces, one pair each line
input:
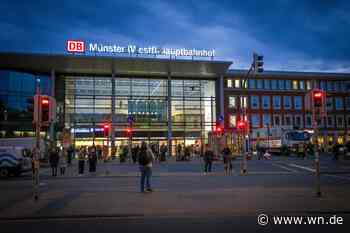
[170,100]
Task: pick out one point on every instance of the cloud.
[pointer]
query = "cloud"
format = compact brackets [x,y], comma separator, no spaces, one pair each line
[291,35]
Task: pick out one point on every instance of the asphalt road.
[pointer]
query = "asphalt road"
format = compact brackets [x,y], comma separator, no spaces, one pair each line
[185,199]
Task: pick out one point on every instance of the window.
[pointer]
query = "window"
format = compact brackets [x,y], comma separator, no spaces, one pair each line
[301,85]
[276,102]
[277,120]
[308,85]
[297,102]
[295,85]
[298,121]
[254,101]
[259,84]
[233,120]
[308,121]
[339,104]
[267,84]
[237,83]
[337,86]
[330,86]
[243,101]
[287,102]
[266,119]
[232,102]
[273,84]
[287,120]
[229,83]
[288,84]
[340,122]
[266,102]
[255,120]
[252,83]
[330,121]
[347,102]
[329,103]
[323,85]
[281,84]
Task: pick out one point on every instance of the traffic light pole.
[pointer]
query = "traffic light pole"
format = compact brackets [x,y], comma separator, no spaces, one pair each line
[36,155]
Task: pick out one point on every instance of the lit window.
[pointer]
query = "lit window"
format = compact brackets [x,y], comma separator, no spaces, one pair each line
[233,120]
[295,85]
[237,83]
[301,85]
[243,101]
[232,102]
[308,85]
[229,83]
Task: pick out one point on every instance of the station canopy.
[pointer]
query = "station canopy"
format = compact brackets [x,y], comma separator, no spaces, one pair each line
[105,66]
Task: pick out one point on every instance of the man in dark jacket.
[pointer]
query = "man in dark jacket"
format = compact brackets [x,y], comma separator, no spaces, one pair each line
[53,160]
[208,159]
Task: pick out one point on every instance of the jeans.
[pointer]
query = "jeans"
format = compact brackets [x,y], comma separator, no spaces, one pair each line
[207,167]
[146,173]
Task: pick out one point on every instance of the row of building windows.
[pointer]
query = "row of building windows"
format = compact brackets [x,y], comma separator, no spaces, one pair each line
[264,102]
[281,84]
[264,120]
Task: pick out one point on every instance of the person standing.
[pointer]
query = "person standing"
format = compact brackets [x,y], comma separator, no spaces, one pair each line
[226,152]
[81,160]
[146,158]
[208,159]
[92,159]
[63,162]
[53,160]
[163,151]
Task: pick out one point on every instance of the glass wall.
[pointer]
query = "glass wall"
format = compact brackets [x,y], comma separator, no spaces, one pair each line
[89,102]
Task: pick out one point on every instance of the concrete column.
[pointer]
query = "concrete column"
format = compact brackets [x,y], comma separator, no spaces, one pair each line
[169,115]
[221,96]
[113,112]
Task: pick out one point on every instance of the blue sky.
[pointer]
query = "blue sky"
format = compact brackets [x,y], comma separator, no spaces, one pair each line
[300,35]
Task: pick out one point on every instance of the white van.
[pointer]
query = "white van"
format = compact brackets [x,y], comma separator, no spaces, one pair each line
[13,161]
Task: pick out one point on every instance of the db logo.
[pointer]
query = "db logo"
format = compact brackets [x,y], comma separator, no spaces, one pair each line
[76,46]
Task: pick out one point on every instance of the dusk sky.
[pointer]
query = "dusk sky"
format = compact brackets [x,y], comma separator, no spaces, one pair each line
[292,35]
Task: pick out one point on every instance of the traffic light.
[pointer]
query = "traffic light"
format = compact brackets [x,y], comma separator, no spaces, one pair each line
[318,97]
[44,109]
[242,125]
[128,131]
[258,63]
[106,128]
[218,129]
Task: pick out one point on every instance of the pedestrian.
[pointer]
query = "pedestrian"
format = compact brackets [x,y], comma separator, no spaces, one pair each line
[53,160]
[81,160]
[336,151]
[163,151]
[70,152]
[226,153]
[63,161]
[208,158]
[146,158]
[92,159]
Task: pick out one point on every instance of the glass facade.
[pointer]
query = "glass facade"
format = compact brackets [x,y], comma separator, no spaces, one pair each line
[91,102]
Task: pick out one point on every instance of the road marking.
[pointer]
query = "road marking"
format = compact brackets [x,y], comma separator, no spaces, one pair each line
[284,167]
[339,177]
[302,167]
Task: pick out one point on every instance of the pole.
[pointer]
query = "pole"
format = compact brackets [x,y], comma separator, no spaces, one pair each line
[37,148]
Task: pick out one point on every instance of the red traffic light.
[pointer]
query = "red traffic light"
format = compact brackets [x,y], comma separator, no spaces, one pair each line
[318,98]
[128,130]
[45,101]
[318,95]
[106,127]
[242,125]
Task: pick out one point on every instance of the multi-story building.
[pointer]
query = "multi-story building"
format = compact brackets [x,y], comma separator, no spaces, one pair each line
[278,100]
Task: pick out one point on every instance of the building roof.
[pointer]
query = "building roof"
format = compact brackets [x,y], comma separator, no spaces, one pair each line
[102,65]
[287,74]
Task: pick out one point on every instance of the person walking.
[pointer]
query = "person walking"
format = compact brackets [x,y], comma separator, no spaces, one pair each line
[226,152]
[63,161]
[146,158]
[81,160]
[92,159]
[53,160]
[163,151]
[208,158]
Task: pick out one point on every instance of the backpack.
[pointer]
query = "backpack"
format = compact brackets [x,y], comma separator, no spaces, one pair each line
[144,158]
